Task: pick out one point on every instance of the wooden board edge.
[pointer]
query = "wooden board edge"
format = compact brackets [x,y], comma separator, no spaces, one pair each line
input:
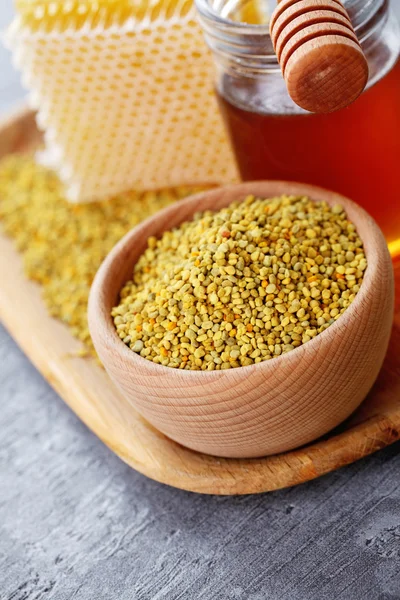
[216,476]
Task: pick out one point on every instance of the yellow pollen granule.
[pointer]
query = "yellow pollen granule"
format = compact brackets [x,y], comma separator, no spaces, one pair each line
[251,296]
[63,244]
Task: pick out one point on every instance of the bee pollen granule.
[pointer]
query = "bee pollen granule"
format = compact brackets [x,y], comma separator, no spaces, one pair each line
[63,245]
[242,285]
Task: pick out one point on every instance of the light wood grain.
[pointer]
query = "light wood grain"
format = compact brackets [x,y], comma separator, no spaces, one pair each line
[89,392]
[270,407]
[321,59]
[319,21]
[285,15]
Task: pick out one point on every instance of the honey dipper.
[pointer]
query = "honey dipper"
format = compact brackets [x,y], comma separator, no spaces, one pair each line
[320,56]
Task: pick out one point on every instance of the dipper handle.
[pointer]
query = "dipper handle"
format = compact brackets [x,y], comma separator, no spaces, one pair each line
[320,56]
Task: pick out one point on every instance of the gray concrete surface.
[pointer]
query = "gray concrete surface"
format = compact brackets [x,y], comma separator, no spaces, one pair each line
[76,523]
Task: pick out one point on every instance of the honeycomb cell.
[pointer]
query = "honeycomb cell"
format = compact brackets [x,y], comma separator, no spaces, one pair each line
[123,107]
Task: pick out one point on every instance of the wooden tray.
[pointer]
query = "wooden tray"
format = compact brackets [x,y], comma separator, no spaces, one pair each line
[86,388]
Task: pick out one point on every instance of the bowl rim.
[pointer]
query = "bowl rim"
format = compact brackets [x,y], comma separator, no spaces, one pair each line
[108,334]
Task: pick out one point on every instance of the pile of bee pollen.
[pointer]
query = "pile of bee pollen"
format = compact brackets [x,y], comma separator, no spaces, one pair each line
[64,244]
[242,285]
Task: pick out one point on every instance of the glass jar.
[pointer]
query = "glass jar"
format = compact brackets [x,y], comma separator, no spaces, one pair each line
[355,151]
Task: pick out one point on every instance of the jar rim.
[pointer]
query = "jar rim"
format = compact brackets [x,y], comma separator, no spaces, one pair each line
[363,14]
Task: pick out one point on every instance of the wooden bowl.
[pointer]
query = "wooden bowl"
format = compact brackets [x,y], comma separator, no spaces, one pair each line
[270,407]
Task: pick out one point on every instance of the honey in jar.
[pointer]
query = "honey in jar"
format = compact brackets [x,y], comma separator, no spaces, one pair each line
[354,151]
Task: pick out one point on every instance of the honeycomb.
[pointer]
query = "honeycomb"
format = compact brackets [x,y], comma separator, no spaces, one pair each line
[124,94]
[62,14]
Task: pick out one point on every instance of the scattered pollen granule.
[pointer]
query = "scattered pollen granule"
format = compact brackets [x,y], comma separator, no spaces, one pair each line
[62,244]
[242,285]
